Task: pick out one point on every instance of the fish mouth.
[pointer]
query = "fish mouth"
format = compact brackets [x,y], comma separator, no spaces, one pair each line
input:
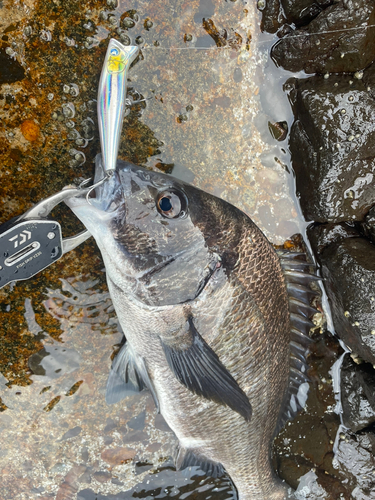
[108,192]
[105,194]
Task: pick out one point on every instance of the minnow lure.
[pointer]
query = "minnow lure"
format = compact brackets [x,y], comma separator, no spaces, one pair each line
[112,100]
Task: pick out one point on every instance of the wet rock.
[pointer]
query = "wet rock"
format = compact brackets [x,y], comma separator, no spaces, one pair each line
[358,465]
[301,12]
[368,227]
[70,486]
[332,143]
[322,235]
[102,476]
[278,130]
[319,48]
[348,268]
[30,130]
[54,361]
[357,394]
[310,488]
[160,423]
[307,442]
[369,79]
[272,17]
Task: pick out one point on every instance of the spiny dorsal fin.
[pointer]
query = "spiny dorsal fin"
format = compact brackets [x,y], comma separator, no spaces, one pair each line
[298,279]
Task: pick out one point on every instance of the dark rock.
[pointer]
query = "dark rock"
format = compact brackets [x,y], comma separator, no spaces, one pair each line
[357,394]
[339,29]
[369,79]
[85,478]
[323,235]
[332,143]
[141,467]
[367,440]
[348,268]
[301,12]
[368,226]
[111,424]
[278,130]
[272,17]
[358,465]
[160,423]
[307,442]
[85,454]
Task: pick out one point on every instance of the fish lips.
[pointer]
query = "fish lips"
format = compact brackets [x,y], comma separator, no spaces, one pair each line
[106,196]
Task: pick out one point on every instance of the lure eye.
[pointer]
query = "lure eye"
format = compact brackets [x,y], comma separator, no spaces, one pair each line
[171,204]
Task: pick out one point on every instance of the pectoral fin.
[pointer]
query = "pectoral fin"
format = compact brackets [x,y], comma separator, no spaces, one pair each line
[199,369]
[128,376]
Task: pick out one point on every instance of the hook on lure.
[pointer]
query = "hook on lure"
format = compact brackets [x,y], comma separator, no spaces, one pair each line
[94,186]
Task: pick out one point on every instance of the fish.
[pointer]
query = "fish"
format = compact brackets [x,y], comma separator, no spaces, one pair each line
[216,320]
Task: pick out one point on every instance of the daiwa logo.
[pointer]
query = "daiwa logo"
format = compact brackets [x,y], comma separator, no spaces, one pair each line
[24,236]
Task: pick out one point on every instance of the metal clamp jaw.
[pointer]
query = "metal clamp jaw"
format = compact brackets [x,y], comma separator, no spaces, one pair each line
[31,242]
[42,209]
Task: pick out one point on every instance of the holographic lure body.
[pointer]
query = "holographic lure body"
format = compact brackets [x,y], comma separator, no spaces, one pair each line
[111,99]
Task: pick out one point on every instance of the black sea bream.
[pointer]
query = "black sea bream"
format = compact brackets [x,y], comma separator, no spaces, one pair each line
[214,319]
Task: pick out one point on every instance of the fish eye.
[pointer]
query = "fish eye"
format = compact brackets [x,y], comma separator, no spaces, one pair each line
[171,204]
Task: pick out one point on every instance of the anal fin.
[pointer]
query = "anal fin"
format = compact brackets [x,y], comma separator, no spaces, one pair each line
[188,457]
[128,376]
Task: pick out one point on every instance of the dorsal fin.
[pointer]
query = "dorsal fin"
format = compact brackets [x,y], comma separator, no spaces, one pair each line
[298,277]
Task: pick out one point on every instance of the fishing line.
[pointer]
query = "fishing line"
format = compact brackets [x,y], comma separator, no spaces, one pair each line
[265,41]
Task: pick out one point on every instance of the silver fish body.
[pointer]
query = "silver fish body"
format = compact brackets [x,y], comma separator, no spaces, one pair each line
[202,299]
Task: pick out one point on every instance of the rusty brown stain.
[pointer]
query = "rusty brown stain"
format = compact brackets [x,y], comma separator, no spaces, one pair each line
[52,404]
[30,130]
[74,388]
